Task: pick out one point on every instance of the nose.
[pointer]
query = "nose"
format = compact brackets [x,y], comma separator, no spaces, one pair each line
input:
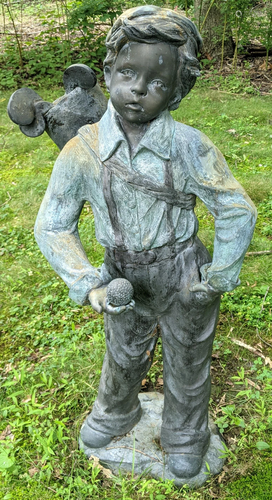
[139,86]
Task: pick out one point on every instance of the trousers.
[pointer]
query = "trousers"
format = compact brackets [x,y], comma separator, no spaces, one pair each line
[163,304]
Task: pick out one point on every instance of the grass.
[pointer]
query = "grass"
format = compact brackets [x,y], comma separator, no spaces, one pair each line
[52,350]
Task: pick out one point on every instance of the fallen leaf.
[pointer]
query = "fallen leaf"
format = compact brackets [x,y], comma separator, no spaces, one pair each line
[31,368]
[34,355]
[250,382]
[45,357]
[8,368]
[106,472]
[7,433]
[27,399]
[57,473]
[222,400]
[248,347]
[143,382]
[231,330]
[33,471]
[221,477]
[160,381]
[265,67]
[267,361]
[212,494]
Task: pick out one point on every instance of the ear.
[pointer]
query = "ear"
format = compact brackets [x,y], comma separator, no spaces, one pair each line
[107,76]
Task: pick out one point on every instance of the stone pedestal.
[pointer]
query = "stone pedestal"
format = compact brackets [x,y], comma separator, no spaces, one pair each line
[140,451]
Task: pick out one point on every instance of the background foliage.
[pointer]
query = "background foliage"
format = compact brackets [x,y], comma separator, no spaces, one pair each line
[52,350]
[42,39]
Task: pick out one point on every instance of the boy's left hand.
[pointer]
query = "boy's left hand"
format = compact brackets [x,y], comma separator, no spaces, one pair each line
[204,293]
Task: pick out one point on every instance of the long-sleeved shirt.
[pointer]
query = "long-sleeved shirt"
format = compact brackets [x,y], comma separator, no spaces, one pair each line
[198,168]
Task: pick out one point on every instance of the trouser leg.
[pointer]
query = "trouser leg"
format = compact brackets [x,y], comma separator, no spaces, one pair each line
[188,328]
[130,340]
[187,335]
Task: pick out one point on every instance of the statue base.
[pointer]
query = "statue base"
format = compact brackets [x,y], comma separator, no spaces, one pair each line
[140,451]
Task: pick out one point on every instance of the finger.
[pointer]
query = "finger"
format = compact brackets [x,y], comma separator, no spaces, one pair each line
[114,310]
[130,306]
[198,288]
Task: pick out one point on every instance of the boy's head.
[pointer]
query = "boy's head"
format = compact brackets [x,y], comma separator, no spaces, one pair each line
[163,40]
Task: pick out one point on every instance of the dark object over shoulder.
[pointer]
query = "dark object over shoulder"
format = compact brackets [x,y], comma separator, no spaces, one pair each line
[82,103]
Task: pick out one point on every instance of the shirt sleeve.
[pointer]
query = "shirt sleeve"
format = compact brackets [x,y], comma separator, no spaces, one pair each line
[56,228]
[233,211]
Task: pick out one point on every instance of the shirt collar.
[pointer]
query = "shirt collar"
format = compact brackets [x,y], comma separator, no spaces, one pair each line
[158,137]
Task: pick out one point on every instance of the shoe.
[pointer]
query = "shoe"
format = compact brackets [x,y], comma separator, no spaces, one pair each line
[184,465]
[94,439]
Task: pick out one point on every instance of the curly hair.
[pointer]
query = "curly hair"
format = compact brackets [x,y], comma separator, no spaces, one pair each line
[152,24]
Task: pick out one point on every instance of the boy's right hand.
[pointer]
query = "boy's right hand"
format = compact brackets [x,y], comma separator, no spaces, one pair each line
[99,302]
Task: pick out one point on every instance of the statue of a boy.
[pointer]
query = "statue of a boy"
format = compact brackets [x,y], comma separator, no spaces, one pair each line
[141,172]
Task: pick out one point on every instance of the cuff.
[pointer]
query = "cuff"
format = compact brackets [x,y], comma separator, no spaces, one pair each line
[81,288]
[217,281]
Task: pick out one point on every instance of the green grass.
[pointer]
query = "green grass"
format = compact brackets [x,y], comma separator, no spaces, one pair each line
[52,350]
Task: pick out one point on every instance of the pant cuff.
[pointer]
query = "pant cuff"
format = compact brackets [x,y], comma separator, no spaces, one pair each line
[195,443]
[114,424]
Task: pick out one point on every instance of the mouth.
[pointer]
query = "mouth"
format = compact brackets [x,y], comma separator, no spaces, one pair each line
[134,106]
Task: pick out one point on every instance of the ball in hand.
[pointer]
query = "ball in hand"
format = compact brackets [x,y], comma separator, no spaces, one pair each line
[119,292]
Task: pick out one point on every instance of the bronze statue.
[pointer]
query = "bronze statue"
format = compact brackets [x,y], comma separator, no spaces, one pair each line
[141,172]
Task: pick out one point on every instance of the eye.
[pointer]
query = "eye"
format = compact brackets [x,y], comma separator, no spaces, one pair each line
[128,72]
[159,83]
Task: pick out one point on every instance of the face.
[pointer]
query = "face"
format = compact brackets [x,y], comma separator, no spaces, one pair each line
[142,80]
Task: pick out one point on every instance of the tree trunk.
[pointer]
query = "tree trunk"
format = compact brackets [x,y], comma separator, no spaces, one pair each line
[214,29]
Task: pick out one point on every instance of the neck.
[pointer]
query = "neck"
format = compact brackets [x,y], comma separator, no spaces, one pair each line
[134,132]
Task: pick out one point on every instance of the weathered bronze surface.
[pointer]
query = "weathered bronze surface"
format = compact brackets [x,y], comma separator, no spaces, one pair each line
[141,172]
[83,102]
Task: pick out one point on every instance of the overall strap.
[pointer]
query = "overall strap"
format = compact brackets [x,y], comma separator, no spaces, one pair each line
[112,209]
[167,192]
[169,183]
[164,192]
[107,178]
